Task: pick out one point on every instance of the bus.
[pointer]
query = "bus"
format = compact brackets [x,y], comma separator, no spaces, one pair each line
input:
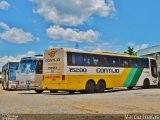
[77,70]
[29,73]
[9,75]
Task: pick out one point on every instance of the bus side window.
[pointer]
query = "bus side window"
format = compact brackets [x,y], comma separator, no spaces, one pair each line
[39,67]
[123,62]
[112,61]
[87,60]
[71,59]
[133,62]
[144,63]
[79,59]
[95,60]
[103,61]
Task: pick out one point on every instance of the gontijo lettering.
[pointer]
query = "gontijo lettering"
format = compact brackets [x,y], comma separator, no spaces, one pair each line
[106,70]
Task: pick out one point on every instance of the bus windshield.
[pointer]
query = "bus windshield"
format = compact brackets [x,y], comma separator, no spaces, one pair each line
[13,66]
[27,66]
[12,75]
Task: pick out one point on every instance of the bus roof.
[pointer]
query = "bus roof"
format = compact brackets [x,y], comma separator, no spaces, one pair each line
[13,61]
[35,57]
[6,66]
[95,52]
[101,52]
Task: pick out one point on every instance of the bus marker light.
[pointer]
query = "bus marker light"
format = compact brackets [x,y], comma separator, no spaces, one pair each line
[63,77]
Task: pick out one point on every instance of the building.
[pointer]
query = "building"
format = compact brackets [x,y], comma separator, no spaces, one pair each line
[151,52]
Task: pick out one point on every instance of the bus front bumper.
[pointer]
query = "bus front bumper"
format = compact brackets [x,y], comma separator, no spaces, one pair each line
[25,87]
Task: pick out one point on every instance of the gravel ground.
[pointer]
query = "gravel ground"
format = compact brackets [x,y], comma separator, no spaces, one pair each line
[116,101]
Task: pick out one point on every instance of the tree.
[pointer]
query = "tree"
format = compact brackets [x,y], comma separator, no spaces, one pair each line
[130,51]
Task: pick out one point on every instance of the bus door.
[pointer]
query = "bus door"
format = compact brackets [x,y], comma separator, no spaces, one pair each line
[154,68]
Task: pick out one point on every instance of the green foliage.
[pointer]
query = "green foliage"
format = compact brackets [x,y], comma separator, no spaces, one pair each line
[130,51]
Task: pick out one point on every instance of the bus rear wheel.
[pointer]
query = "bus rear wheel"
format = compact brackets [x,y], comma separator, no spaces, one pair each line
[39,91]
[100,87]
[90,87]
[146,84]
[53,91]
[71,91]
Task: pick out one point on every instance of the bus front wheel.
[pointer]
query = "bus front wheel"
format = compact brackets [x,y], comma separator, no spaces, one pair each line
[38,91]
[100,87]
[90,87]
[5,85]
[130,88]
[146,84]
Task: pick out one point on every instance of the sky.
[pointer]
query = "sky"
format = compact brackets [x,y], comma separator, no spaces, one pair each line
[28,27]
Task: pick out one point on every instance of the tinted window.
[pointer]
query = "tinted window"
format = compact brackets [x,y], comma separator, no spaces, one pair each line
[78,59]
[83,59]
[27,66]
[13,66]
[12,75]
[39,68]
[103,61]
[134,62]
[88,60]
[144,63]
[112,61]
[123,62]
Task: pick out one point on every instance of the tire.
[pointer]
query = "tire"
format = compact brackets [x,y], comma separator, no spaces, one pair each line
[146,84]
[158,83]
[39,91]
[71,91]
[100,87]
[130,88]
[90,87]
[3,85]
[82,91]
[53,91]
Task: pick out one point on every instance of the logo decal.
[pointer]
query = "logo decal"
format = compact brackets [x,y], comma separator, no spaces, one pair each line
[154,81]
[52,53]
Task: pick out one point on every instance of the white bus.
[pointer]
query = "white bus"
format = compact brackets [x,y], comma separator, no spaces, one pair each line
[29,74]
[77,70]
[9,75]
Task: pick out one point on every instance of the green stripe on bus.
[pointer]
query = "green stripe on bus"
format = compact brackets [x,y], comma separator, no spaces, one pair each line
[133,77]
[136,77]
[130,77]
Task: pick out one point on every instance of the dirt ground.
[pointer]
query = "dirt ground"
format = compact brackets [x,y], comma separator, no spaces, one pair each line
[116,101]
